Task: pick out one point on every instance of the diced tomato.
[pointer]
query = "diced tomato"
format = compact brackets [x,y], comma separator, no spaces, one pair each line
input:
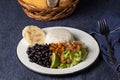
[68,61]
[77,43]
[71,46]
[73,50]
[78,47]
[74,45]
[62,59]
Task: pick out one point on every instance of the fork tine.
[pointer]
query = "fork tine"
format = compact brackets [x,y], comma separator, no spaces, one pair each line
[105,21]
[100,25]
[106,26]
[103,27]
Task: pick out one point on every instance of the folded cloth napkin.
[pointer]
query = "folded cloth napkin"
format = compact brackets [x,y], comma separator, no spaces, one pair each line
[113,22]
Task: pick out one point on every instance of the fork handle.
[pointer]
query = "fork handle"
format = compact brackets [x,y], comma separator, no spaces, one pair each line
[110,51]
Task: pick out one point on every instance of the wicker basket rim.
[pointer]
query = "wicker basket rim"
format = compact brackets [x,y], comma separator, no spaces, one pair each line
[34,8]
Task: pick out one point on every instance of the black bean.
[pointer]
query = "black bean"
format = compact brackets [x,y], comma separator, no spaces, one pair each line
[40,63]
[40,54]
[31,56]
[37,56]
[31,60]
[34,59]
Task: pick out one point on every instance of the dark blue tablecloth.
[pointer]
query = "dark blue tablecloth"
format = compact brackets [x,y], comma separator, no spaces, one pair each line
[13,20]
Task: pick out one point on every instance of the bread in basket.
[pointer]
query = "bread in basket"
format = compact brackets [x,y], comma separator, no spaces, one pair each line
[47,10]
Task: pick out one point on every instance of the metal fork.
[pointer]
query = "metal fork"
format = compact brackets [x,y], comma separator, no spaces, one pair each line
[104,30]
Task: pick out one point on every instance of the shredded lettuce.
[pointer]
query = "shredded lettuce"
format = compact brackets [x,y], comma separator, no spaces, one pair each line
[75,58]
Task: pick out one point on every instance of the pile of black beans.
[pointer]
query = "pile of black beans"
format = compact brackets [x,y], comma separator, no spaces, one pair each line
[40,54]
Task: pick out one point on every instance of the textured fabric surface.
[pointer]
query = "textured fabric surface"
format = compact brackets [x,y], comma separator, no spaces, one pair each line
[113,22]
[13,20]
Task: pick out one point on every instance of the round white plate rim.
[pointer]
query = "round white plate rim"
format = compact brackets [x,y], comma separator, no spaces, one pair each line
[44,70]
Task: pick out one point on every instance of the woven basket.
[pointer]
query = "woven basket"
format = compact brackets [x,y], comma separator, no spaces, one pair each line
[48,14]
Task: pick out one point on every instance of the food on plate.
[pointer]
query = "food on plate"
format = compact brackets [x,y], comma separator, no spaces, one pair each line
[33,34]
[40,54]
[55,60]
[74,53]
[58,35]
[56,49]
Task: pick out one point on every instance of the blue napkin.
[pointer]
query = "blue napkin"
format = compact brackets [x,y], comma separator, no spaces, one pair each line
[113,21]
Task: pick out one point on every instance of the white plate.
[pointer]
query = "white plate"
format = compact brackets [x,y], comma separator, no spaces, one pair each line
[89,41]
